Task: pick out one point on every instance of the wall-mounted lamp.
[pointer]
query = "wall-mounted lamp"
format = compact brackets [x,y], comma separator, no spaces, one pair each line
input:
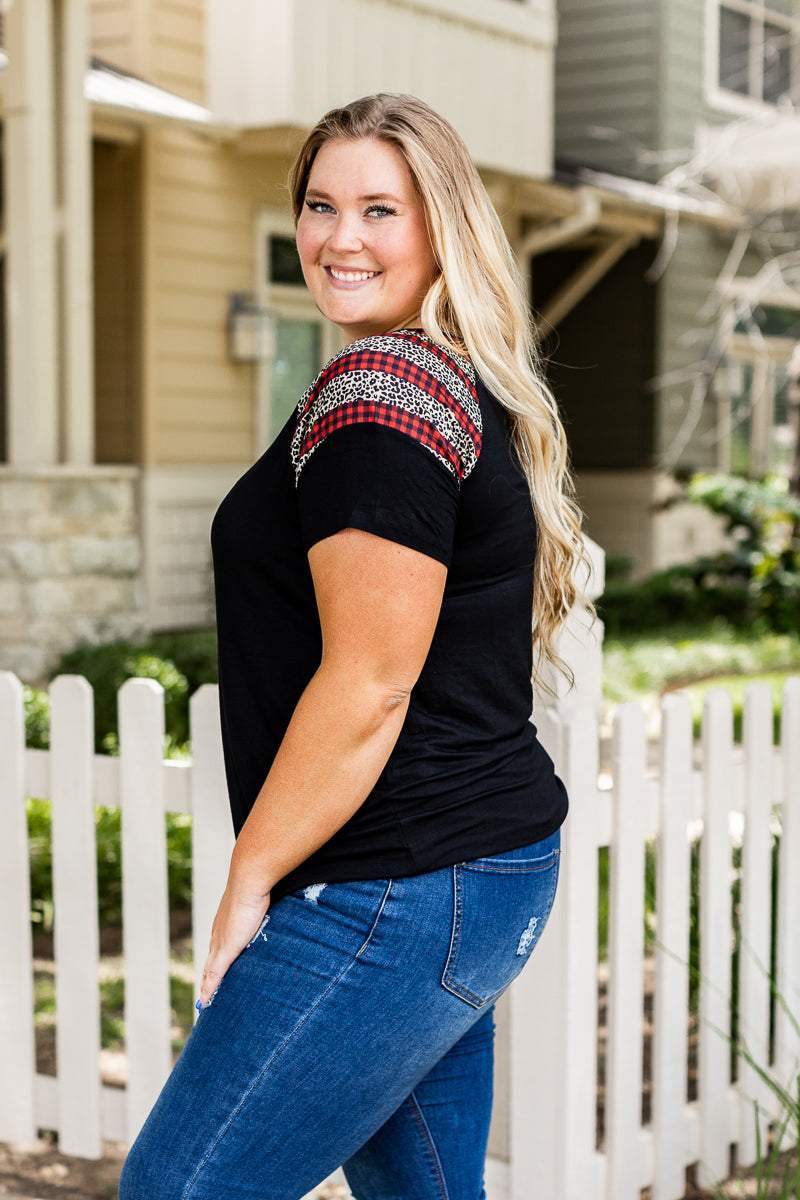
[251,329]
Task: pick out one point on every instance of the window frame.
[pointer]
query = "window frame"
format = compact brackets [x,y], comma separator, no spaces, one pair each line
[772,352]
[737,103]
[287,301]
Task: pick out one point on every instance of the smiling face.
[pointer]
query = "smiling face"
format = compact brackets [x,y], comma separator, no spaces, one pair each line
[362,240]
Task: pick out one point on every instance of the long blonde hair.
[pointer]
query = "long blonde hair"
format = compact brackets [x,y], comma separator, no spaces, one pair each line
[478,305]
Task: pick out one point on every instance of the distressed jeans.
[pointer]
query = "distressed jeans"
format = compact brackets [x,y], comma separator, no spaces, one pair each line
[355,1029]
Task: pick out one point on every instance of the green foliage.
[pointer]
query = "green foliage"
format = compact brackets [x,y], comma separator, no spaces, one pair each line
[180,662]
[41,864]
[37,719]
[109,864]
[758,580]
[764,520]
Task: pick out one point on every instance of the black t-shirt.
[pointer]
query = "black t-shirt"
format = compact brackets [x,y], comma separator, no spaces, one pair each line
[397,437]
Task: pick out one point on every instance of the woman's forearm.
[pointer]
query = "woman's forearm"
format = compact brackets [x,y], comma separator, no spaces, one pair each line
[338,741]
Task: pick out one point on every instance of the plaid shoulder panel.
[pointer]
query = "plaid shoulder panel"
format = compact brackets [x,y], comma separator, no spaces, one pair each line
[403,381]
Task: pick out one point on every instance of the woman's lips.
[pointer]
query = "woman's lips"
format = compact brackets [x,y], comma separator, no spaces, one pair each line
[349,278]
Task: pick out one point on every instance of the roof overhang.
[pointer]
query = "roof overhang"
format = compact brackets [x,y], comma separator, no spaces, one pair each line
[117,96]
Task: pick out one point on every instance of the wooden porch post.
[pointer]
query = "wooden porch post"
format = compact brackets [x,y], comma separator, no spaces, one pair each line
[48,189]
[74,148]
[31,287]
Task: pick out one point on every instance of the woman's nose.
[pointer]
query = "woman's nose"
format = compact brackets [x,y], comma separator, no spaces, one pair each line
[345,235]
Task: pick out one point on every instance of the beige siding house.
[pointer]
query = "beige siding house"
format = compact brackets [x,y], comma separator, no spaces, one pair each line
[157,331]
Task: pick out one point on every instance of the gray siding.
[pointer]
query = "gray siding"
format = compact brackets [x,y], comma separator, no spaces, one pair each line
[607,78]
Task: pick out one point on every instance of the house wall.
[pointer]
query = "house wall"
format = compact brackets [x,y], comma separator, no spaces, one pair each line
[161,40]
[627,516]
[600,359]
[111,32]
[201,201]
[199,421]
[485,64]
[607,84]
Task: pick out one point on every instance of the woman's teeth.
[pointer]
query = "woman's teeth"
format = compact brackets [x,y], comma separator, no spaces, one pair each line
[351,276]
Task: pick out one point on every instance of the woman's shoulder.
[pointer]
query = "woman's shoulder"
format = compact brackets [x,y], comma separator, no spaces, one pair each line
[403,381]
[398,354]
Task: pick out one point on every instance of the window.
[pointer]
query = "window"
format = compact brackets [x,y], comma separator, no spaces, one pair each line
[303,339]
[752,390]
[759,49]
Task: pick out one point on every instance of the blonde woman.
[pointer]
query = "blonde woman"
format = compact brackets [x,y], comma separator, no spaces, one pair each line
[378,571]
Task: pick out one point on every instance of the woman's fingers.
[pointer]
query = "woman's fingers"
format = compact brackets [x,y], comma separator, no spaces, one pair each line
[237,922]
[212,978]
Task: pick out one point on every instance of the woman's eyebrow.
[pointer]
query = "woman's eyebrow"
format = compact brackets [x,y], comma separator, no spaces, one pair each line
[321,195]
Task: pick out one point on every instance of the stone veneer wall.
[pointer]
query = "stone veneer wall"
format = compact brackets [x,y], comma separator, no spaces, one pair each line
[70,562]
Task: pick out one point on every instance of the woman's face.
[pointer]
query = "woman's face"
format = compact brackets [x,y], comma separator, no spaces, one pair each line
[362,240]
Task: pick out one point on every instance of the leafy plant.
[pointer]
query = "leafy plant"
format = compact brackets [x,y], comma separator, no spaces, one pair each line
[109,864]
[757,579]
[180,662]
[763,520]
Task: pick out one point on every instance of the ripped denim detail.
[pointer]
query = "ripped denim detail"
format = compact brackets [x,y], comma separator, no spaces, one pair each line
[527,935]
[259,933]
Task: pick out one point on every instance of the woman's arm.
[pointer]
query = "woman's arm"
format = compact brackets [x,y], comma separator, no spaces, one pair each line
[378,605]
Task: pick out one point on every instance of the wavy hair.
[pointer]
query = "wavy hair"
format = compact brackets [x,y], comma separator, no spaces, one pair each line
[478,305]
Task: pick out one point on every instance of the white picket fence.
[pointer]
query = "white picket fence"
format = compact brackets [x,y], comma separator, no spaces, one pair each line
[544,1138]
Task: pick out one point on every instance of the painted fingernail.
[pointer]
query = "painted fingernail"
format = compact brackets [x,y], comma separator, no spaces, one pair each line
[199,1005]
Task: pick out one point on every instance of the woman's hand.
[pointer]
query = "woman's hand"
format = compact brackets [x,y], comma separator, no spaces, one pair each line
[239,917]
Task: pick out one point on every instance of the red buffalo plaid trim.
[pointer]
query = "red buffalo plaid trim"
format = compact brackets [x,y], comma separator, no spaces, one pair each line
[376,413]
[366,357]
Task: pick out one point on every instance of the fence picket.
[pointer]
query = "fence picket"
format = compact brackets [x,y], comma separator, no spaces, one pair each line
[715,938]
[76,939]
[787,1029]
[671,998]
[754,954]
[17,1044]
[625,957]
[578,949]
[212,832]
[145,908]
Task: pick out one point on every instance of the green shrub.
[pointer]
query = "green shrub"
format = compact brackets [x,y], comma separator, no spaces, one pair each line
[755,581]
[180,662]
[109,864]
[37,718]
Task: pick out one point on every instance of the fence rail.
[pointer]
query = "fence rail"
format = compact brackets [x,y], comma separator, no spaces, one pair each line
[714,796]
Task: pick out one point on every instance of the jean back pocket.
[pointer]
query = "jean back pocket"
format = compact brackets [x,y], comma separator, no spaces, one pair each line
[500,907]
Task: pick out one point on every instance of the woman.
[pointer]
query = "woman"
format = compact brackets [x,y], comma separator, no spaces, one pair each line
[397,821]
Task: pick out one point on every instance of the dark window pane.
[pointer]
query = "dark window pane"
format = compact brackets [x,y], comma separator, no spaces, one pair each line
[777,62]
[772,321]
[734,51]
[742,423]
[284,261]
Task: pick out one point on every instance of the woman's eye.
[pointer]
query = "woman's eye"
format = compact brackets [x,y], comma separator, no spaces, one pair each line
[381,210]
[318,206]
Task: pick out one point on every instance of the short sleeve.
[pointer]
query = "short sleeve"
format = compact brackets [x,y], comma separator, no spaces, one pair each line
[384,439]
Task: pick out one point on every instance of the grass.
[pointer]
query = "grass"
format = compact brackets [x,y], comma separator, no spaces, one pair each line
[639,667]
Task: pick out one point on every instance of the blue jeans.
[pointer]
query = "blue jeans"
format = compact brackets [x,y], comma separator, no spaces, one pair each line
[355,1029]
